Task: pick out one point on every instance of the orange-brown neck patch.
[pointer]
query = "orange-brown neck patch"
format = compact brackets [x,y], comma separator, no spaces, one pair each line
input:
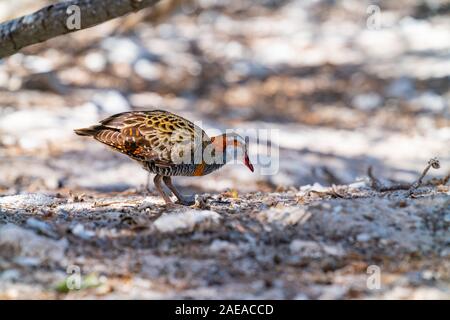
[219,142]
[199,169]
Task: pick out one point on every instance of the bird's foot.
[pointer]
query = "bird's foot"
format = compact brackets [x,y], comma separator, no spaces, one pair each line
[188,201]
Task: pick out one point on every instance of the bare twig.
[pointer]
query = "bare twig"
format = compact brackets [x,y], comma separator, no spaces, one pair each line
[335,192]
[51,21]
[332,192]
[378,186]
[434,163]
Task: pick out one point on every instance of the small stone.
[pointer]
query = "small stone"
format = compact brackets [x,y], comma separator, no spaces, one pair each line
[367,101]
[221,245]
[428,275]
[27,261]
[10,275]
[28,199]
[41,226]
[363,237]
[445,253]
[27,248]
[333,292]
[148,70]
[309,249]
[358,185]
[431,102]
[95,61]
[401,88]
[301,296]
[122,50]
[81,232]
[337,209]
[186,221]
[286,216]
[37,64]
[315,187]
[334,250]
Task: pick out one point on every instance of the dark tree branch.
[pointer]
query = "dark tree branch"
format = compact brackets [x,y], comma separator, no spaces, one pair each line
[51,21]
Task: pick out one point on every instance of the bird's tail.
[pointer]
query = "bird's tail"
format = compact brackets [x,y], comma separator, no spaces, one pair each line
[91,131]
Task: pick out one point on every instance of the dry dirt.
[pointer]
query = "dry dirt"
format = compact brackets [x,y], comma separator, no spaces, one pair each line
[298,244]
[339,97]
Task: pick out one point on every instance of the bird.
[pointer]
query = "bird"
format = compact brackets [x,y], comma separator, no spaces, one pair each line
[167,145]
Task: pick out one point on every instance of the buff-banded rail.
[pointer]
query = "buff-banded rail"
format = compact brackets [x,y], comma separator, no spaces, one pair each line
[167,145]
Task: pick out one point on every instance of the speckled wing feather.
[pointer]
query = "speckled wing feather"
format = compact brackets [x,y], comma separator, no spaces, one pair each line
[150,135]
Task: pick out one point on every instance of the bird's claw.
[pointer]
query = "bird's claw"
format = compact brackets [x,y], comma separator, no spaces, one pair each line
[186,201]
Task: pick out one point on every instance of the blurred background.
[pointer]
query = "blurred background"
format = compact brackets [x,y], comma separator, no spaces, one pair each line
[348,84]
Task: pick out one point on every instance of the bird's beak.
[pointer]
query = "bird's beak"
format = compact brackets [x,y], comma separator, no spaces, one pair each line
[248,163]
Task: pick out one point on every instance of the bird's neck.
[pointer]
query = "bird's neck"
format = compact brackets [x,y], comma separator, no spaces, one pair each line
[219,143]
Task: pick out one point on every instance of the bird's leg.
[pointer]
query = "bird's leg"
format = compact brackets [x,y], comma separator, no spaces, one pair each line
[181,200]
[157,182]
[147,186]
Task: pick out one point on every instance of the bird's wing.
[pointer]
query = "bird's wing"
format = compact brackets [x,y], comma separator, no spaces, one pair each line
[157,136]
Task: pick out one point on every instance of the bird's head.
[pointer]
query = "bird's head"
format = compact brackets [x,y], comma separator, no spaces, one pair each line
[233,146]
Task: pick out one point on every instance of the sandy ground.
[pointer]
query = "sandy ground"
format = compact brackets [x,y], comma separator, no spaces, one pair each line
[304,244]
[334,95]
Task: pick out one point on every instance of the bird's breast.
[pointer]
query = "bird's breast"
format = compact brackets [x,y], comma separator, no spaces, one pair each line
[182,169]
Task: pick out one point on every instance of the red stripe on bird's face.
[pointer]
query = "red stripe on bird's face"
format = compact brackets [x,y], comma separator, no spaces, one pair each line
[248,163]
